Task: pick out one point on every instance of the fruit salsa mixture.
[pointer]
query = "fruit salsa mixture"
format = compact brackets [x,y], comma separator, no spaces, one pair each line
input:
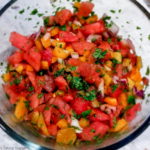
[76,79]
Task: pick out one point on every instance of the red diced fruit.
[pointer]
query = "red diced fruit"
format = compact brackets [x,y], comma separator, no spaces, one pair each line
[93,28]
[52,129]
[47,55]
[74,62]
[63,16]
[68,97]
[47,115]
[20,41]
[34,101]
[15,58]
[99,116]
[83,46]
[95,129]
[80,105]
[85,9]
[131,113]
[33,58]
[66,36]
[61,83]
[49,84]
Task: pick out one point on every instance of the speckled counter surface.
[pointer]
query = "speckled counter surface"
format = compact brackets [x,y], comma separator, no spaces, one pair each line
[140,143]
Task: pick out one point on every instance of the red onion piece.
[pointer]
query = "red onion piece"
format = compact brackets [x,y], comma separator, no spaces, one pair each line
[114,29]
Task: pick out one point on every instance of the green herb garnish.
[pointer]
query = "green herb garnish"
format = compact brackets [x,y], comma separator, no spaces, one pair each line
[86,113]
[91,95]
[63,28]
[34,12]
[59,72]
[46,21]
[99,54]
[112,11]
[27,104]
[138,28]
[114,87]
[131,99]
[21,11]
[40,95]
[147,71]
[31,88]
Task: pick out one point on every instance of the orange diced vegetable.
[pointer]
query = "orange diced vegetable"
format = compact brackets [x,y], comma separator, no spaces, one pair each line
[60,53]
[62,123]
[92,19]
[54,31]
[77,4]
[38,44]
[66,136]
[42,126]
[21,110]
[122,99]
[29,68]
[44,65]
[84,122]
[6,77]
[54,59]
[111,101]
[19,68]
[122,123]
[135,75]
[35,117]
[46,40]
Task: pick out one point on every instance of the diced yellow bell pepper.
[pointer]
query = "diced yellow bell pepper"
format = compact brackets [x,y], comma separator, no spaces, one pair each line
[61,53]
[66,136]
[95,103]
[6,77]
[46,42]
[62,123]
[44,65]
[111,101]
[70,49]
[139,62]
[60,92]
[122,99]
[131,83]
[107,79]
[35,117]
[75,26]
[41,125]
[54,31]
[21,109]
[126,62]
[117,56]
[109,64]
[139,85]
[77,4]
[38,44]
[19,68]
[92,19]
[59,44]
[119,126]
[29,68]
[83,122]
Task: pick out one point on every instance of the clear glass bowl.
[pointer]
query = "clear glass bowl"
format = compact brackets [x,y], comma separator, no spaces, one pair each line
[127,19]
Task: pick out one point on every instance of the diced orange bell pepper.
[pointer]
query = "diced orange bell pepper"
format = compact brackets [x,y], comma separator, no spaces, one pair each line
[20,109]
[122,99]
[62,123]
[122,123]
[66,136]
[54,59]
[92,19]
[111,101]
[29,68]
[54,31]
[139,62]
[34,117]
[83,122]
[38,44]
[19,68]
[41,125]
[77,4]
[135,75]
[46,40]
[83,59]
[6,77]
[70,49]
[44,65]
[61,53]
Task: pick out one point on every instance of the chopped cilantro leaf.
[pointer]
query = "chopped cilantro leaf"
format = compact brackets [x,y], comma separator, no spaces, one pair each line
[114,87]
[99,54]
[149,37]
[62,116]
[63,28]
[46,21]
[92,13]
[17,80]
[109,40]
[115,62]
[106,18]
[131,99]
[34,12]
[147,71]
[59,72]
[31,88]
[114,122]
[21,11]
[46,108]
[27,104]
[119,10]
[86,113]
[40,95]
[112,11]
[138,28]
[91,95]
[40,14]
[93,40]
[93,130]
[73,68]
